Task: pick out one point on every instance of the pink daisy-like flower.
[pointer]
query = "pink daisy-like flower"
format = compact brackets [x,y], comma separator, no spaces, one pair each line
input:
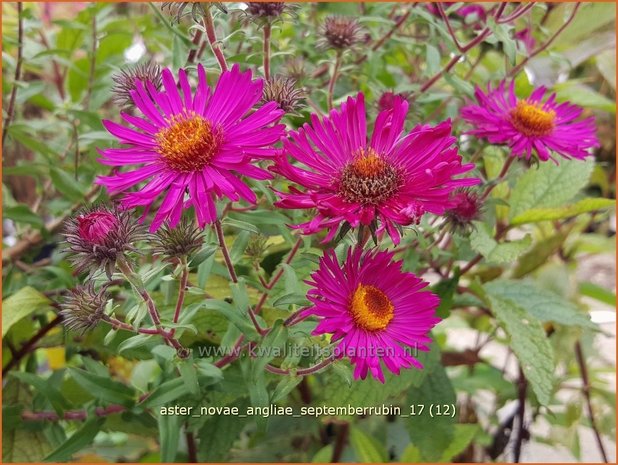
[531,124]
[196,144]
[375,311]
[394,178]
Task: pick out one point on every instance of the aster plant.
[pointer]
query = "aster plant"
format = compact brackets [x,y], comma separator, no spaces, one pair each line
[273,232]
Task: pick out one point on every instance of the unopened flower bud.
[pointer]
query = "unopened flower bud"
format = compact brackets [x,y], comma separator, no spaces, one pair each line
[340,32]
[466,208]
[125,82]
[84,308]
[283,91]
[98,235]
[181,241]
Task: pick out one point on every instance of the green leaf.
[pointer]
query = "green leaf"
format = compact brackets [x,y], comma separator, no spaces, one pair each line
[324,455]
[169,436]
[494,252]
[598,293]
[369,392]
[293,298]
[189,375]
[411,454]
[218,435]
[105,388]
[430,432]
[284,387]
[446,290]
[367,449]
[165,393]
[21,304]
[241,225]
[535,215]
[22,214]
[66,184]
[539,303]
[529,343]
[80,439]
[539,254]
[550,185]
[18,443]
[464,435]
[55,397]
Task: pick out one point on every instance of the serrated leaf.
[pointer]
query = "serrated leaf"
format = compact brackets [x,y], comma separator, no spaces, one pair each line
[540,303]
[551,185]
[529,343]
[535,215]
[432,434]
[21,304]
[494,252]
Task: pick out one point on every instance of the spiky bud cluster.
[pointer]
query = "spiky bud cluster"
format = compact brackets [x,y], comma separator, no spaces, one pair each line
[340,32]
[180,241]
[83,308]
[295,68]
[98,235]
[256,247]
[282,90]
[265,9]
[466,207]
[125,82]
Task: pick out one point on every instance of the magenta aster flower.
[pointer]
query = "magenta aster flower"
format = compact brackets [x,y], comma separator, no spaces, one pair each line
[393,178]
[192,144]
[531,124]
[375,311]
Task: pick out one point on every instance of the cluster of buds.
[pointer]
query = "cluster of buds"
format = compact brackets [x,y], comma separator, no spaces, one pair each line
[267,11]
[467,207]
[99,235]
[284,92]
[340,33]
[197,10]
[180,241]
[84,308]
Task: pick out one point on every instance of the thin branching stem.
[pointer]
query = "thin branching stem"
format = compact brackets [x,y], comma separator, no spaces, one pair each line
[10,113]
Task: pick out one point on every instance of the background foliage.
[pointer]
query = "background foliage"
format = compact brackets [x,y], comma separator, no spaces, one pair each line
[524,305]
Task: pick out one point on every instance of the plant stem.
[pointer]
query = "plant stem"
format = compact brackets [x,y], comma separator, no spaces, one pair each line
[267,31]
[581,361]
[235,353]
[29,346]
[333,80]
[225,252]
[521,411]
[20,45]
[197,39]
[209,25]
[184,280]
[501,176]
[117,324]
[93,63]
[137,284]
[191,448]
[543,47]
[381,41]
[302,371]
[520,11]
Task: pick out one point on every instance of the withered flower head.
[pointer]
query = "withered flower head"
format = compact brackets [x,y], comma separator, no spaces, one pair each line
[98,235]
[181,241]
[466,207]
[83,308]
[178,9]
[340,32]
[125,82]
[282,90]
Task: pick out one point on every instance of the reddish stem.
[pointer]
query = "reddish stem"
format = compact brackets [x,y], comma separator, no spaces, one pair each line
[225,252]
[209,25]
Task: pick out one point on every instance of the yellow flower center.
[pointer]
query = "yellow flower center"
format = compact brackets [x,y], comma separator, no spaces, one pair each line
[189,142]
[368,179]
[371,308]
[531,120]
